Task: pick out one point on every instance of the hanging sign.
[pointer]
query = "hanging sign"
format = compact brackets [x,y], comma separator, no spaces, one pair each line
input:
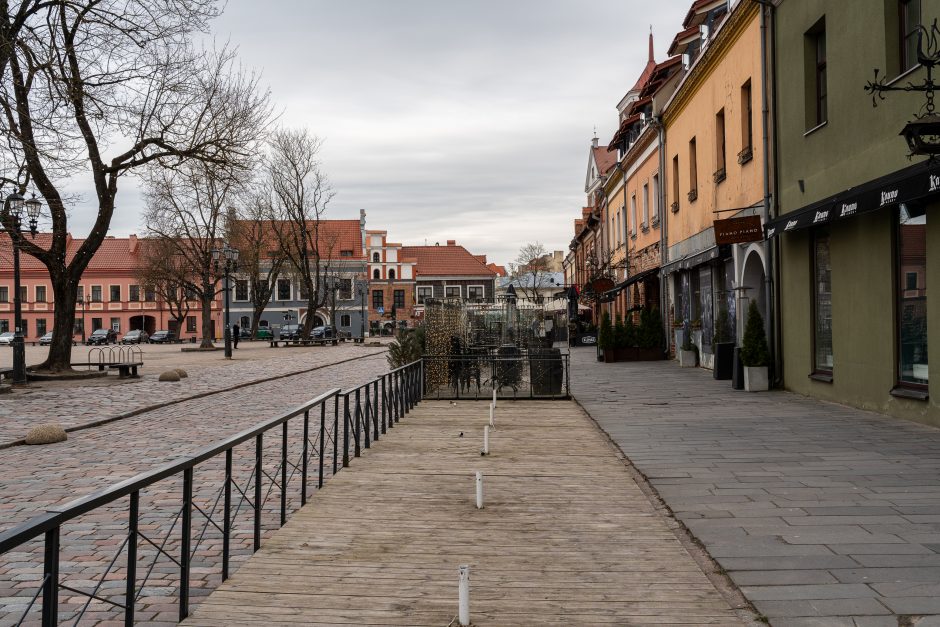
[738,230]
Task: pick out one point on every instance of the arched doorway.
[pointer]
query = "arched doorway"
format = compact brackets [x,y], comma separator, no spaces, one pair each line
[753,278]
[318,320]
[147,323]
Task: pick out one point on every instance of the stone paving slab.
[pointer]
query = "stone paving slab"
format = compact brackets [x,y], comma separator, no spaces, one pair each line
[822,514]
[33,478]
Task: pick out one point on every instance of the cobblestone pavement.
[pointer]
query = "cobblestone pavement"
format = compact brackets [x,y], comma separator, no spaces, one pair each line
[34,478]
[76,403]
[821,514]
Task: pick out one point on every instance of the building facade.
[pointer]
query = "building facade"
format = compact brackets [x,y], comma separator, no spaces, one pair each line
[391,275]
[449,271]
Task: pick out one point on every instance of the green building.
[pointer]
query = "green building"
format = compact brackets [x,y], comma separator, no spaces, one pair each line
[852,237]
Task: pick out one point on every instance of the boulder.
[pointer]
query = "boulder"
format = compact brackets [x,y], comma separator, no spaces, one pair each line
[182,373]
[46,434]
[169,375]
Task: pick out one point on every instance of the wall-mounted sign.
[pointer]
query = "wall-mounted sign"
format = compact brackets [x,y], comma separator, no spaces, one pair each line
[738,230]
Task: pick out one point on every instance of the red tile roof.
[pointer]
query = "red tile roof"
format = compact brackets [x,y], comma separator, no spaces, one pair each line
[604,160]
[499,270]
[446,261]
[114,255]
[333,237]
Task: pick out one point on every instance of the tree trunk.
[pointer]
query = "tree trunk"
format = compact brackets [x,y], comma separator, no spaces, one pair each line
[65,293]
[205,303]
[255,320]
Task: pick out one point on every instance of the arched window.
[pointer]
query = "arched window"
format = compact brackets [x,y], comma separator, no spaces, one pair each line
[391,274]
[376,257]
[376,274]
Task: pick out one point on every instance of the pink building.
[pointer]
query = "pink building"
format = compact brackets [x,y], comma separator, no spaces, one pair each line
[113,296]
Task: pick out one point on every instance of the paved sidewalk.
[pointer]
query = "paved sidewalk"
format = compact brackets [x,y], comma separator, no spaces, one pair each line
[566,536]
[822,514]
[77,403]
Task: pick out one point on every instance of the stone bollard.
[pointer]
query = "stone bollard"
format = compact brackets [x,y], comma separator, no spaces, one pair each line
[46,434]
[169,375]
[182,373]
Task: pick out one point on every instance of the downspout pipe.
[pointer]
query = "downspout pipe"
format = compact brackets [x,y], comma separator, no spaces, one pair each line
[663,226]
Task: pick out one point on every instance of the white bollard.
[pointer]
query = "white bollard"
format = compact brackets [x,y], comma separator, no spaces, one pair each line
[479,490]
[486,440]
[463,595]
[492,408]
[494,397]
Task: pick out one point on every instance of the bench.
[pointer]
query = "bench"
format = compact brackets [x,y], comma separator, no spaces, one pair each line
[126,370]
[287,343]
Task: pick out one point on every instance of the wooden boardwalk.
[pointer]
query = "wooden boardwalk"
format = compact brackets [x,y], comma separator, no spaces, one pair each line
[566,536]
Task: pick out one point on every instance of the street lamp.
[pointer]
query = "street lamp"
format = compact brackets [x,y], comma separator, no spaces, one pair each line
[13,206]
[225,260]
[362,312]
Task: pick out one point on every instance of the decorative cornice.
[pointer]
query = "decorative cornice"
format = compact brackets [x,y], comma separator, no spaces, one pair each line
[735,26]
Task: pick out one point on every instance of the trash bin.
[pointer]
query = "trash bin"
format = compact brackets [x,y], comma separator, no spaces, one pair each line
[508,366]
[546,372]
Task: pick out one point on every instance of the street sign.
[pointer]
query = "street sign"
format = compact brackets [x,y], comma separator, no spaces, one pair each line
[381,310]
[738,230]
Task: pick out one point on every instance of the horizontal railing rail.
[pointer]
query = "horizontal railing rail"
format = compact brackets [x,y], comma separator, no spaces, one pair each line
[376,405]
[526,375]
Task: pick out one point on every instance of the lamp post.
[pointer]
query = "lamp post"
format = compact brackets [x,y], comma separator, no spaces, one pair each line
[363,293]
[225,260]
[13,206]
[81,299]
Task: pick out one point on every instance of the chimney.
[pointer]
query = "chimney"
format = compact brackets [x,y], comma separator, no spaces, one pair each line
[132,244]
[594,141]
[451,242]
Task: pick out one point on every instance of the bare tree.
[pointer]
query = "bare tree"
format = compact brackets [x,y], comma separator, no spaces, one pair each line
[168,275]
[82,78]
[530,272]
[186,214]
[260,258]
[300,195]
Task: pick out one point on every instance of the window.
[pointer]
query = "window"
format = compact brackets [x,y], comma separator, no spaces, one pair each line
[391,274]
[189,293]
[345,321]
[40,293]
[693,170]
[241,289]
[345,289]
[116,324]
[4,326]
[633,214]
[41,327]
[245,322]
[376,258]
[747,125]
[345,253]
[95,324]
[720,146]
[4,294]
[619,235]
[24,295]
[378,299]
[452,291]
[822,305]
[912,298]
[376,274]
[283,289]
[646,206]
[655,199]
[96,294]
[817,91]
[909,21]
[78,326]
[675,184]
[115,293]
[134,295]
[424,293]
[190,324]
[304,292]
[399,299]
[149,295]
[475,292]
[25,328]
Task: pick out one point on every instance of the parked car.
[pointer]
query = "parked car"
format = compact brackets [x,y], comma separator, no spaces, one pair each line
[102,336]
[162,337]
[46,340]
[135,336]
[6,338]
[324,333]
[264,333]
[290,332]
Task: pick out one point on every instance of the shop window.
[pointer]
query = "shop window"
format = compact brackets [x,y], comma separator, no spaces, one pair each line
[822,305]
[4,326]
[41,327]
[190,324]
[908,22]
[912,297]
[95,324]
[345,321]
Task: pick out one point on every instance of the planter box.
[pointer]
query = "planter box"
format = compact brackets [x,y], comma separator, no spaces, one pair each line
[632,354]
[679,333]
[687,358]
[584,339]
[724,360]
[756,379]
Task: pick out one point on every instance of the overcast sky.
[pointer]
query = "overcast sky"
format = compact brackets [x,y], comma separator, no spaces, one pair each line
[446,120]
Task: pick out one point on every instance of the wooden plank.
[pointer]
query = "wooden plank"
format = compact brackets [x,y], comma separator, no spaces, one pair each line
[566,536]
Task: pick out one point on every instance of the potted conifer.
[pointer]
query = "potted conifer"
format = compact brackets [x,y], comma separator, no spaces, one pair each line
[688,352]
[605,339]
[724,346]
[755,356]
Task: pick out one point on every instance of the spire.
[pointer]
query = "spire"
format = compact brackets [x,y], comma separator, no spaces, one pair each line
[652,56]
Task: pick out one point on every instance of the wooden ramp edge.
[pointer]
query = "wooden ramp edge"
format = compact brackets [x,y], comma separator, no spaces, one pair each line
[566,536]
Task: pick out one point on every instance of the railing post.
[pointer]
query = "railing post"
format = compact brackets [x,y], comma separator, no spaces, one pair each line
[346,430]
[363,413]
[303,460]
[421,379]
[385,415]
[284,472]
[130,595]
[259,443]
[335,433]
[393,392]
[322,438]
[375,409]
[227,513]
[185,541]
[567,376]
[50,586]
[401,394]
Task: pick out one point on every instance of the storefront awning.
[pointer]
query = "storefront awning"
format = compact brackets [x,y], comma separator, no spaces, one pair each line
[912,183]
[693,260]
[639,276]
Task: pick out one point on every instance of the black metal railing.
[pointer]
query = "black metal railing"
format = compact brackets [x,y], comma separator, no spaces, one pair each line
[376,405]
[540,374]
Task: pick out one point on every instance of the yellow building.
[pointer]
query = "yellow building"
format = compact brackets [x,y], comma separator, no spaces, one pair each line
[714,161]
